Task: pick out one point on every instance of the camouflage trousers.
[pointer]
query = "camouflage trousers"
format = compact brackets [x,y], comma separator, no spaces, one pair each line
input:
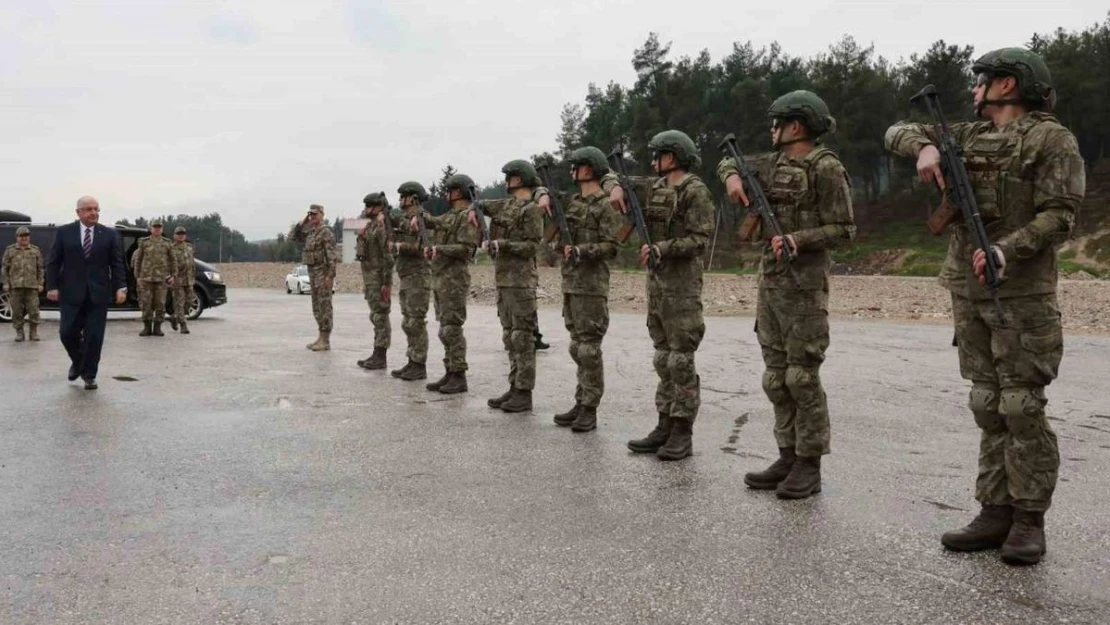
[414,313]
[1009,367]
[587,320]
[182,299]
[321,298]
[516,308]
[379,315]
[450,307]
[676,327]
[792,327]
[25,303]
[152,300]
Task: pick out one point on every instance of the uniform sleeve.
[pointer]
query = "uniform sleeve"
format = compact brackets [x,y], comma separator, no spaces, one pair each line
[907,138]
[40,278]
[327,241]
[759,164]
[609,181]
[606,248]
[190,269]
[1059,186]
[137,259]
[465,243]
[834,205]
[173,259]
[699,222]
[531,233]
[298,234]
[6,272]
[387,258]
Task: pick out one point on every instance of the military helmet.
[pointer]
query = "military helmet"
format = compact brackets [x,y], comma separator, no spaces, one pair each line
[591,156]
[678,143]
[376,199]
[524,169]
[1034,79]
[22,231]
[413,188]
[459,181]
[808,107]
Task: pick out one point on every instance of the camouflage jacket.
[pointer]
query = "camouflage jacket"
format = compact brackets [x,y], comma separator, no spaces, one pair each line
[517,226]
[812,199]
[455,239]
[22,267]
[318,247]
[373,255]
[593,229]
[1028,179]
[154,260]
[412,267]
[186,268]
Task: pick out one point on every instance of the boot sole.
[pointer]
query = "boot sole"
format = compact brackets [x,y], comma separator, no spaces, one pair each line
[453,391]
[582,429]
[412,378]
[672,457]
[972,547]
[1022,560]
[791,494]
[563,424]
[515,410]
[757,485]
[651,449]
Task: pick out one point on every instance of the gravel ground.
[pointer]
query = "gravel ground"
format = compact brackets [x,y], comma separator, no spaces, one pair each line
[1084,302]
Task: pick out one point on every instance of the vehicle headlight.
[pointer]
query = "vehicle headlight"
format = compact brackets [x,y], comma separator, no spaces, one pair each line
[213,276]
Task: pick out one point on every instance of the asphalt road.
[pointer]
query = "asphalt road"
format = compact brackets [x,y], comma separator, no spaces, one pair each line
[231,476]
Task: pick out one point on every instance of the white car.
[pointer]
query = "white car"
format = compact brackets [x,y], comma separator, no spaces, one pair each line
[298,281]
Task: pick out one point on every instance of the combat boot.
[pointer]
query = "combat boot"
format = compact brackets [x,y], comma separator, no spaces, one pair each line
[769,478]
[496,402]
[519,401]
[586,421]
[438,384]
[173,323]
[416,371]
[157,329]
[539,342]
[399,373]
[19,337]
[146,329]
[988,530]
[681,441]
[565,419]
[655,439]
[376,360]
[456,383]
[803,480]
[323,344]
[185,327]
[34,332]
[1025,544]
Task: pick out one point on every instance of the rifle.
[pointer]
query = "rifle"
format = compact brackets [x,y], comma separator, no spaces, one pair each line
[472,194]
[561,225]
[959,187]
[759,207]
[635,214]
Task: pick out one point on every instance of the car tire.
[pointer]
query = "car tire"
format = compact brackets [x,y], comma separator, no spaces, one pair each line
[287,289]
[196,308]
[5,307]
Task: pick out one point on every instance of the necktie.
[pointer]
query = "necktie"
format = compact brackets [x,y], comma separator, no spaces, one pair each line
[87,245]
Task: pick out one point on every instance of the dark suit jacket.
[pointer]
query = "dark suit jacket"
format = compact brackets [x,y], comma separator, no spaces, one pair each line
[96,278]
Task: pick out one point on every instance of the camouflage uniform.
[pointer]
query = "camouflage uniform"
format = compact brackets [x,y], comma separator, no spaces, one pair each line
[322,262]
[23,276]
[812,200]
[1029,180]
[153,263]
[415,292]
[455,240]
[183,280]
[376,261]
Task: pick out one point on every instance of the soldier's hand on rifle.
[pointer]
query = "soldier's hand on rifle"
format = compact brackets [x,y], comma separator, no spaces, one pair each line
[415,224]
[928,166]
[496,245]
[568,251]
[646,252]
[616,198]
[385,292]
[472,216]
[169,281]
[735,187]
[776,245]
[545,204]
[435,251]
[979,262]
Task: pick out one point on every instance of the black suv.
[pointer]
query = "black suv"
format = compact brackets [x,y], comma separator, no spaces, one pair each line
[208,290]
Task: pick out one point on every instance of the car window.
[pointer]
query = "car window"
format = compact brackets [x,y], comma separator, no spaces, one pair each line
[302,271]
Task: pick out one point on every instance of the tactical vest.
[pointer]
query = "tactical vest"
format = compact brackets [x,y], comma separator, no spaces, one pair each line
[584,218]
[663,217]
[792,193]
[994,166]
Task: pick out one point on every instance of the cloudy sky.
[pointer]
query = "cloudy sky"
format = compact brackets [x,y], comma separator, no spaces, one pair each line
[256,109]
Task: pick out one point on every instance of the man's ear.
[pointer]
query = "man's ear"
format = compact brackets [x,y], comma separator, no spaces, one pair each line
[1009,86]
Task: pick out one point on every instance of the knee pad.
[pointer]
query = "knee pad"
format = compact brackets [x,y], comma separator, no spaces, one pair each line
[450,332]
[774,385]
[983,402]
[802,380]
[660,361]
[1023,409]
[573,350]
[589,353]
[682,367]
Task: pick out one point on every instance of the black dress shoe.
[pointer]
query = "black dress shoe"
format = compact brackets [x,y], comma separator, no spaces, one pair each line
[73,373]
[90,385]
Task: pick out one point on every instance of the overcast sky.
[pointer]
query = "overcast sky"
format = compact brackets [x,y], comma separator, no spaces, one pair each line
[255,109]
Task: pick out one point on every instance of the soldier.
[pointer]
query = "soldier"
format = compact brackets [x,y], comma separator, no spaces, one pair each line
[155,266]
[184,279]
[376,261]
[413,271]
[1028,181]
[23,277]
[518,222]
[455,238]
[593,224]
[809,192]
[317,240]
[680,218]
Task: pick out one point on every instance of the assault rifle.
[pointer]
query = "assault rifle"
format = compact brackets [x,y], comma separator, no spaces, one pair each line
[759,207]
[561,227]
[472,192]
[635,213]
[422,229]
[958,187]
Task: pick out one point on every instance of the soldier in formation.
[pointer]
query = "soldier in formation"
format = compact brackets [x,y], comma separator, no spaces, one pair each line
[518,222]
[183,280]
[454,241]
[1028,180]
[376,262]
[23,277]
[317,240]
[155,266]
[809,191]
[415,276]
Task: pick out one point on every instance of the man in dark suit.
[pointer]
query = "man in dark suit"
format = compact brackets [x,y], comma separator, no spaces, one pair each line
[85,266]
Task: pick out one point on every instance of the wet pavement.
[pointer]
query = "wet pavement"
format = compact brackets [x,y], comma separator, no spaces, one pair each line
[231,476]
